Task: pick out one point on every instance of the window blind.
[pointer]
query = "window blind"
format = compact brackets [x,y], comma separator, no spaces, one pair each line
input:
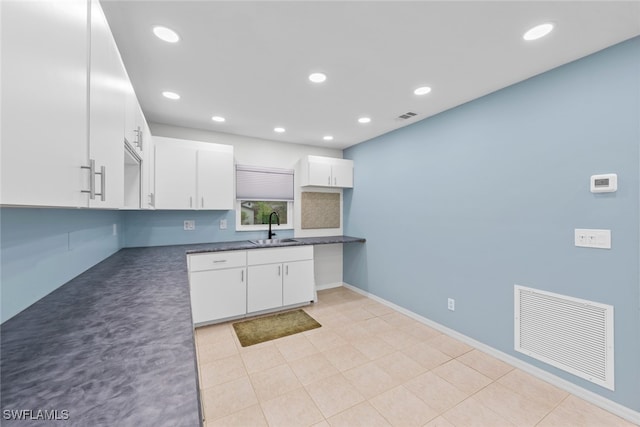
[260,183]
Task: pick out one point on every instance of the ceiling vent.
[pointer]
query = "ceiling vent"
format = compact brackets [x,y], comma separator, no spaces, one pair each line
[406,115]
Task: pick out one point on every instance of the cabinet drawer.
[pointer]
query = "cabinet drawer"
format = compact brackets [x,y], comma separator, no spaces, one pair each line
[217,260]
[277,255]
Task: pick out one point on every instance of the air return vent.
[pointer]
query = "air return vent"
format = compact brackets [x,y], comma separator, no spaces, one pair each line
[406,115]
[571,334]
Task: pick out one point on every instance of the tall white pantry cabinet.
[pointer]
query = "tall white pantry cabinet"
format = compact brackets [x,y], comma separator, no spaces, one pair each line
[64,102]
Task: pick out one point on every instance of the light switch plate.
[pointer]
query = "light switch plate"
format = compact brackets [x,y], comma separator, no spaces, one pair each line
[190,224]
[223,224]
[592,238]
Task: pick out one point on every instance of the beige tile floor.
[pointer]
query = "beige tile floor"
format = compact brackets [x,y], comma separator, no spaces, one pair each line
[369,365]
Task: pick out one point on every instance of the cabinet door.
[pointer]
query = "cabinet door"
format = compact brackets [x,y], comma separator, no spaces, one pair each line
[215,179]
[320,174]
[131,106]
[44,103]
[218,294]
[175,177]
[342,175]
[107,100]
[264,287]
[148,171]
[298,285]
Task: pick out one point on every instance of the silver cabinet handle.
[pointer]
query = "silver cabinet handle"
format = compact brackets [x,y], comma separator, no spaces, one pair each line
[92,179]
[329,180]
[151,199]
[219,260]
[138,132]
[242,275]
[287,269]
[202,202]
[335,181]
[190,201]
[103,183]
[279,270]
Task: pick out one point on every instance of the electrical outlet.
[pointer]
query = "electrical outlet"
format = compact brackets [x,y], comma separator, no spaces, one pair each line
[223,224]
[592,238]
[451,304]
[190,224]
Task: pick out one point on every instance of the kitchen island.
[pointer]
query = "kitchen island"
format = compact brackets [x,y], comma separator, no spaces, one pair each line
[113,346]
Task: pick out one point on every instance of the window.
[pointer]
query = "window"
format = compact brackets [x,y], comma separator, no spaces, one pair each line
[254,215]
[260,191]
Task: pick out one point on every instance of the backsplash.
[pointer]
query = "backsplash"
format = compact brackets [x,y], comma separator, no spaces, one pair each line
[320,210]
[41,249]
[160,228]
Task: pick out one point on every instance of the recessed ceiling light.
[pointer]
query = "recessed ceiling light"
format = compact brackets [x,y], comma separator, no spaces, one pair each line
[170,95]
[218,119]
[327,138]
[364,120]
[538,31]
[317,77]
[166,34]
[422,90]
[278,129]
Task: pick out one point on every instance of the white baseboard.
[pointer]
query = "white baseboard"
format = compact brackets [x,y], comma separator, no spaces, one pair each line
[328,286]
[600,401]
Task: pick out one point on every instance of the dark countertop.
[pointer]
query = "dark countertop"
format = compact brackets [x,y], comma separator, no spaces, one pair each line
[113,346]
[299,241]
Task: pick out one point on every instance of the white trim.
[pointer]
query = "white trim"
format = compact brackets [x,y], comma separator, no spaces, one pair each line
[591,397]
[328,286]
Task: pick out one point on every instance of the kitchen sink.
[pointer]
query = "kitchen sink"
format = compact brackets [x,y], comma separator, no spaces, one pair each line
[268,242]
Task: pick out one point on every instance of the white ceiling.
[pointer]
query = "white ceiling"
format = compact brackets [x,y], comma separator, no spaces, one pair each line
[249,61]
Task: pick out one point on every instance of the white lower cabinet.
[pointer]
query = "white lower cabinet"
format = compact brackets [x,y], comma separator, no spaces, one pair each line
[295,288]
[218,283]
[279,277]
[226,285]
[218,294]
[265,288]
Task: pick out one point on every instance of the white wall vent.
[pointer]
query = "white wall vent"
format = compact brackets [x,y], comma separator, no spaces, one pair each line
[572,334]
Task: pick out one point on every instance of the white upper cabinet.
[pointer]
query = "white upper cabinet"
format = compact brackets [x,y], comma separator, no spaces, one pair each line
[136,131]
[326,172]
[148,170]
[64,101]
[193,175]
[44,103]
[107,100]
[215,177]
[175,178]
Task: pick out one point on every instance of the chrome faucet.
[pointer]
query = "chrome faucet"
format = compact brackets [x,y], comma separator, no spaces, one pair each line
[271,234]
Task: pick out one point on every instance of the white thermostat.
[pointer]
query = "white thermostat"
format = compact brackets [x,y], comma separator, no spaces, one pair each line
[607,183]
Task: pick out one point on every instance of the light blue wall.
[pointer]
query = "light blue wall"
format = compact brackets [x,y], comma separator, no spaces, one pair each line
[484,196]
[159,228]
[42,249]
